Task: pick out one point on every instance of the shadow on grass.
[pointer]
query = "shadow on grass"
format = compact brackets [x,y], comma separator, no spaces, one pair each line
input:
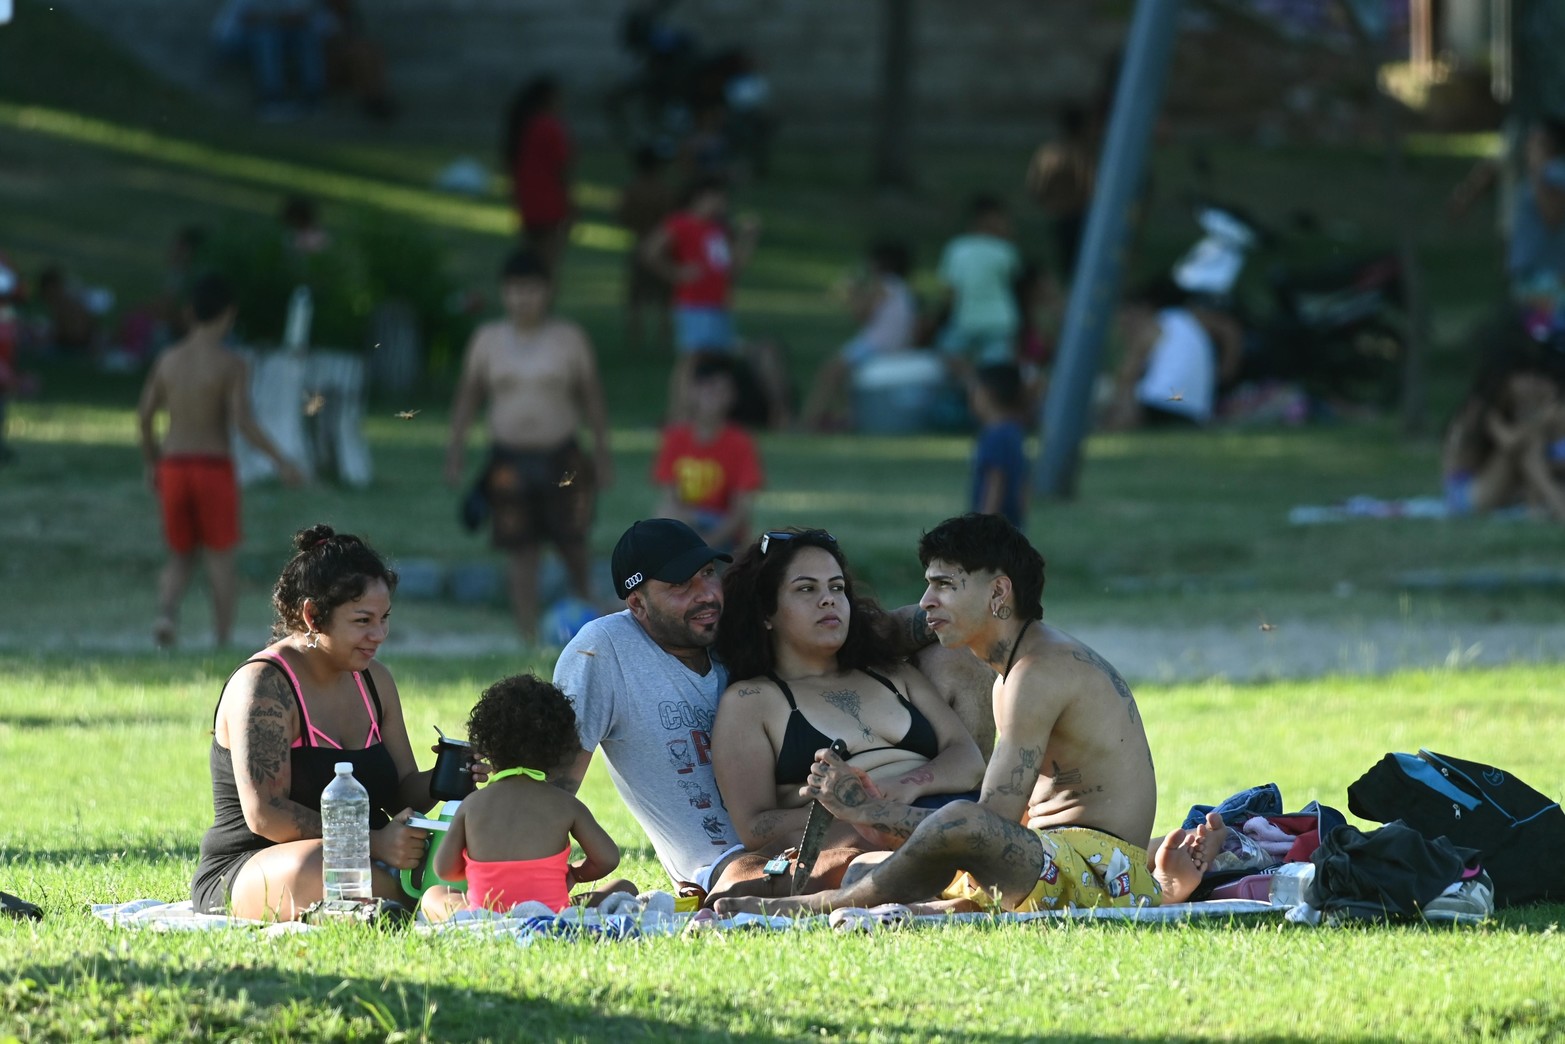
[152,1001]
[96,721]
[21,858]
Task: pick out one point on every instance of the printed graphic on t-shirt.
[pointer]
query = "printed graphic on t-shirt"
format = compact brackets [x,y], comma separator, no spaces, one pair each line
[698,478]
[699,797]
[679,754]
[682,715]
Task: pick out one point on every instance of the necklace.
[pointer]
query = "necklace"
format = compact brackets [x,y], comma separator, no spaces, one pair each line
[1015,649]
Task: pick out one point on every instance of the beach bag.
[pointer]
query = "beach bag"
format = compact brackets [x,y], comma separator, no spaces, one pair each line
[1518,832]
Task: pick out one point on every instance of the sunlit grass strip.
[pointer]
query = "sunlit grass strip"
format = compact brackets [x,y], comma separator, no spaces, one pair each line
[468,215]
[1468,146]
[76,425]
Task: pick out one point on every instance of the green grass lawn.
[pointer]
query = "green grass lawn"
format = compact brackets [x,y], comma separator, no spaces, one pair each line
[1168,531]
[110,795]
[106,743]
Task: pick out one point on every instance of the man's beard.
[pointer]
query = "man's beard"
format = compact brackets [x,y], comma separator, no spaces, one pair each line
[676,631]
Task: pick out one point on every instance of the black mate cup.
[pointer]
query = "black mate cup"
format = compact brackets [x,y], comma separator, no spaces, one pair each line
[453,780]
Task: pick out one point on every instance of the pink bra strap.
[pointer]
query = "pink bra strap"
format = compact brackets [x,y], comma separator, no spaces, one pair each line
[309,727]
[298,692]
[369,708]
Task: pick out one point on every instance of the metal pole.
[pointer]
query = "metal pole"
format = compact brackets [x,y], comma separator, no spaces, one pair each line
[893,140]
[1137,97]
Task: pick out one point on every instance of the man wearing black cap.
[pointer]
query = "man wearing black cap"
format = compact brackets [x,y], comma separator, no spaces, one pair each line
[645,689]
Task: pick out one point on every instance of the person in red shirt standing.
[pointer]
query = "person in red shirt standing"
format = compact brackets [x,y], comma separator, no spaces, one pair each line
[709,469]
[694,250]
[537,152]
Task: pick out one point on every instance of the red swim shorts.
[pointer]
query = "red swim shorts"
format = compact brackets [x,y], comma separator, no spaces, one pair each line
[200,498]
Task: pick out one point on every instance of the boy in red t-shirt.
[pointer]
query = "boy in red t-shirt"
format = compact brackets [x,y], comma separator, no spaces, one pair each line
[695,252]
[709,468]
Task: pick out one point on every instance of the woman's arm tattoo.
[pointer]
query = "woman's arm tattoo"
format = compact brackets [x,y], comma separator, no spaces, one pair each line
[266,729]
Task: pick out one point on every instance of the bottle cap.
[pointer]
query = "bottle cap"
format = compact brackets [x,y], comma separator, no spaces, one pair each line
[344,768]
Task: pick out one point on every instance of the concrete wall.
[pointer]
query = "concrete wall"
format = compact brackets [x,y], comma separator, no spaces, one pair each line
[983,66]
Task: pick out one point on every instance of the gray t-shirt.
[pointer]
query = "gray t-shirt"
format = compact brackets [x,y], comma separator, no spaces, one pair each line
[652,716]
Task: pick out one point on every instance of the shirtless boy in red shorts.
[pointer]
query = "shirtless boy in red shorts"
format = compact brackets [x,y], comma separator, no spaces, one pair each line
[204,389]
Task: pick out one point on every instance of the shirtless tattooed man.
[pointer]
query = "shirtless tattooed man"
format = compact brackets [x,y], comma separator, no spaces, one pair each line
[1071,760]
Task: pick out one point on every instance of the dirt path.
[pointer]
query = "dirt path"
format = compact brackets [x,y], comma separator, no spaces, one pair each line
[1312,649]
[1292,649]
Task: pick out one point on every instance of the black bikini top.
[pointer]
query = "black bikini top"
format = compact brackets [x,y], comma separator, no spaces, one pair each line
[801,739]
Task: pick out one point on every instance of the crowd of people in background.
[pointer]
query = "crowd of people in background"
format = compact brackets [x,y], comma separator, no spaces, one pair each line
[696,123]
[722,788]
[297,51]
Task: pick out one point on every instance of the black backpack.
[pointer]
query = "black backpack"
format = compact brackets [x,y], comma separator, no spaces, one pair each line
[1519,833]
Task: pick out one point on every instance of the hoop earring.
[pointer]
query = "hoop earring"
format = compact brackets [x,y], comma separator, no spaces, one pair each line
[1001,613]
[314,642]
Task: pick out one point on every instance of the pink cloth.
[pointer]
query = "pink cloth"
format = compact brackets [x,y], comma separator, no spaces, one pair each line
[1256,886]
[502,884]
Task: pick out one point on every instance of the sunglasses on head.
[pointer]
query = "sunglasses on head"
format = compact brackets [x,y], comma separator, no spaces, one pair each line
[777,536]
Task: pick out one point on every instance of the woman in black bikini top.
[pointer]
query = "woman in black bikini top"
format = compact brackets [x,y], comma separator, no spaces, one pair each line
[809,662]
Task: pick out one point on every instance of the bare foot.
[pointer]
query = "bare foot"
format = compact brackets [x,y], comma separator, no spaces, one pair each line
[1186,855]
[1174,868]
[164,633]
[797,906]
[1206,841]
[743,877]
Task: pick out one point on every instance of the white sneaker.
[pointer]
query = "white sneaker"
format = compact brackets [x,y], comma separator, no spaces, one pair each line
[1471,902]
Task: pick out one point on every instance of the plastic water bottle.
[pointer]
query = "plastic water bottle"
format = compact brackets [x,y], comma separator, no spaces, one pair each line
[1289,883]
[345,830]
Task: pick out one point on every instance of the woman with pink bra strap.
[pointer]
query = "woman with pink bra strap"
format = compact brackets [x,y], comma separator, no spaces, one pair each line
[314,697]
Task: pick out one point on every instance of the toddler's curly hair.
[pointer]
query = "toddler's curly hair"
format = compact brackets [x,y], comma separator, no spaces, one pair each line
[524,721]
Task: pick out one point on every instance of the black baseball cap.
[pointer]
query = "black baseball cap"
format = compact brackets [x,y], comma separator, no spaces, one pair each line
[659,549]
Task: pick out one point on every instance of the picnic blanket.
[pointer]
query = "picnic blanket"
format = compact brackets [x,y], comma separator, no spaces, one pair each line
[650,916]
[1364,506]
[1360,507]
[628,917]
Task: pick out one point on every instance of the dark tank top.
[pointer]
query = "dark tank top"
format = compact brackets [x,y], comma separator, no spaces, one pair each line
[311,767]
[801,739]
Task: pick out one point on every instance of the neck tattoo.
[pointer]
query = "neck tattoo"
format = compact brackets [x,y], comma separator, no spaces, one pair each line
[1015,649]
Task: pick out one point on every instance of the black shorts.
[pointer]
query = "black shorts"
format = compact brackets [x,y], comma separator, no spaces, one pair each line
[1156,417]
[539,495]
[213,885]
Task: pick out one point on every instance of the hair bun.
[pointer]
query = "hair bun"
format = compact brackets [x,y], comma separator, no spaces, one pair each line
[314,536]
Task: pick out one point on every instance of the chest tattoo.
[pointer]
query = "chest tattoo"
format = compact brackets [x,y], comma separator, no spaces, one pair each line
[847,701]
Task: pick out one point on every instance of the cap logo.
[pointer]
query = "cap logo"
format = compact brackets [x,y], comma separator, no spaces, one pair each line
[633,580]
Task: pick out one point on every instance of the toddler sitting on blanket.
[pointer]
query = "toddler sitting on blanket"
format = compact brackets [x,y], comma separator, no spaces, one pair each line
[511,841]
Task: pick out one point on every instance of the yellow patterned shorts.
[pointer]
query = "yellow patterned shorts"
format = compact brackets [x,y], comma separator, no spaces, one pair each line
[1081,867]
